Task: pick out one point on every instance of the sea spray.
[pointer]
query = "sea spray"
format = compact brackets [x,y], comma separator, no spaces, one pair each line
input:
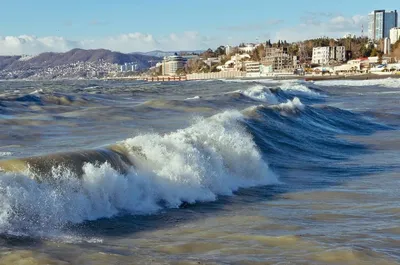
[261,93]
[214,156]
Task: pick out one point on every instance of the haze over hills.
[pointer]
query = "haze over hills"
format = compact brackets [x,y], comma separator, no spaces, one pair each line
[70,64]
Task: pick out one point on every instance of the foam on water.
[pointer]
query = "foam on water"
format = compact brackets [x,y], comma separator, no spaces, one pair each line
[248,80]
[291,105]
[193,98]
[213,157]
[4,154]
[388,82]
[261,93]
[297,86]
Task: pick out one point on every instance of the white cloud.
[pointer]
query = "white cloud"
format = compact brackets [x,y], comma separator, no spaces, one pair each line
[131,42]
[314,26]
[25,44]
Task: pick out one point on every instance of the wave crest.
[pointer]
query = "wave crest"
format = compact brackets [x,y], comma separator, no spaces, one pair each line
[214,156]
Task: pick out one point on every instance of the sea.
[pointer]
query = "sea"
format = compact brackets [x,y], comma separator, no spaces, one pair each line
[200,172]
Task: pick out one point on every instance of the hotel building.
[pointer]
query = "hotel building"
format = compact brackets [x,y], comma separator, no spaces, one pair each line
[171,64]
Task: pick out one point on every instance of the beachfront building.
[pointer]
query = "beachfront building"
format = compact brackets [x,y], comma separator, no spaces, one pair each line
[380,22]
[327,55]
[171,64]
[234,64]
[253,69]
[394,35]
[279,59]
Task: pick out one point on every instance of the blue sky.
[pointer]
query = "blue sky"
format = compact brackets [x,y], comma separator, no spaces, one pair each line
[28,26]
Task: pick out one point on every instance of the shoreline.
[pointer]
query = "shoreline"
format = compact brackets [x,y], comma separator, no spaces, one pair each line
[368,76]
[325,78]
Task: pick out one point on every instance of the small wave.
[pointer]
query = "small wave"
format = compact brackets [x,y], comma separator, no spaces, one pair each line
[292,105]
[178,105]
[296,86]
[260,93]
[195,97]
[37,97]
[4,154]
[37,91]
[263,81]
[388,82]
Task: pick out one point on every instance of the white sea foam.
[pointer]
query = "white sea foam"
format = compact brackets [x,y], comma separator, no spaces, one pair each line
[193,98]
[263,81]
[290,105]
[297,86]
[388,82]
[215,156]
[261,93]
[37,91]
[3,154]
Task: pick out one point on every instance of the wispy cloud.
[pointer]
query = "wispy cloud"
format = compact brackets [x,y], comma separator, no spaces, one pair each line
[322,25]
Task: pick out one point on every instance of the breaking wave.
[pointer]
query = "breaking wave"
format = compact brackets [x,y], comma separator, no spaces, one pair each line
[261,93]
[191,165]
[298,86]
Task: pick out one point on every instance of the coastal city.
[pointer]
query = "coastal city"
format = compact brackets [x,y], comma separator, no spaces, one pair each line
[374,51]
[377,52]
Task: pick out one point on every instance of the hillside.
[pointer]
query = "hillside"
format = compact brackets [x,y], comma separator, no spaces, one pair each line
[51,59]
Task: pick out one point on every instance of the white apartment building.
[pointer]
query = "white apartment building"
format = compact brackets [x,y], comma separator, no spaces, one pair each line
[324,55]
[252,67]
[171,64]
[394,35]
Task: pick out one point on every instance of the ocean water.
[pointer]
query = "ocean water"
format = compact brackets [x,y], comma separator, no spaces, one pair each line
[216,172]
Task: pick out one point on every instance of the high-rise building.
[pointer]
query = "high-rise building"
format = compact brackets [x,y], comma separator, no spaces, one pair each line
[380,22]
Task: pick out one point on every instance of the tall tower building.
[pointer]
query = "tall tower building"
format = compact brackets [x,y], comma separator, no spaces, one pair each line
[380,22]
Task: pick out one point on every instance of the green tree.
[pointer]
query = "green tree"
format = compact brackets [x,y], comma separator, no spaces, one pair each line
[208,54]
[181,71]
[220,51]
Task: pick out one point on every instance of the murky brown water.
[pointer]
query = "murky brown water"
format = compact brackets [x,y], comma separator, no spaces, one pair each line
[337,203]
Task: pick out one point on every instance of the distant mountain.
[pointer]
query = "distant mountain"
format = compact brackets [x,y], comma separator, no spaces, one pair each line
[161,54]
[51,59]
